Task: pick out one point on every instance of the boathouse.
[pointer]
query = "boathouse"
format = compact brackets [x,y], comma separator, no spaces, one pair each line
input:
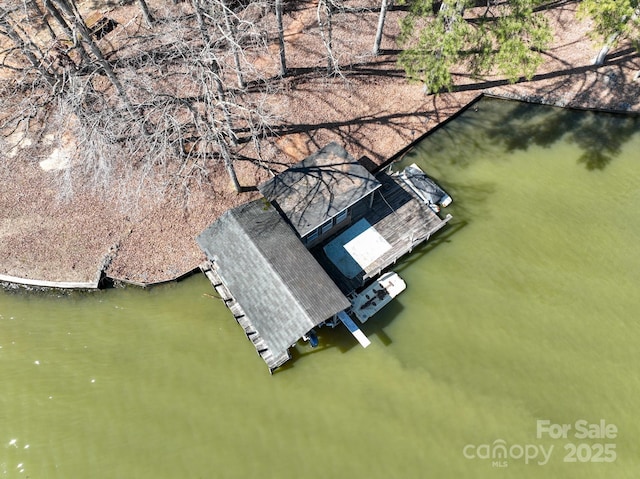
[309,252]
[274,287]
[322,194]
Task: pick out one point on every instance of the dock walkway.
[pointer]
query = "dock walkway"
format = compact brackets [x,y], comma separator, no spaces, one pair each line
[401,218]
[252,334]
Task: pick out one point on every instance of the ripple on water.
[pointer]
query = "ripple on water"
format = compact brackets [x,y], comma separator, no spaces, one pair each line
[502,323]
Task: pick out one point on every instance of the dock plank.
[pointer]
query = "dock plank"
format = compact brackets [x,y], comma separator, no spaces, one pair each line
[401,218]
[273,361]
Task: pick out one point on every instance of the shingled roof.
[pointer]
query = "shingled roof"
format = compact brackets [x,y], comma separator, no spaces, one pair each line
[319,187]
[282,289]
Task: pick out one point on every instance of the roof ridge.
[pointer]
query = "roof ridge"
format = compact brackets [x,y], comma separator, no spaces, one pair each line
[269,264]
[263,253]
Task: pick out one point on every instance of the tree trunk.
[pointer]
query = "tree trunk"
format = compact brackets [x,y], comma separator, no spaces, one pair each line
[283,59]
[55,13]
[215,71]
[71,11]
[604,51]
[602,54]
[326,32]
[228,164]
[221,100]
[146,12]
[201,25]
[384,7]
[233,40]
[451,17]
[20,44]
[43,18]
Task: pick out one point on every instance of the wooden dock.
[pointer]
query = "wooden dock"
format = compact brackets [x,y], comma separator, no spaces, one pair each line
[401,218]
[250,331]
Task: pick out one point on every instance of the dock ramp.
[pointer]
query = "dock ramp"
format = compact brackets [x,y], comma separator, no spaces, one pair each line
[353,329]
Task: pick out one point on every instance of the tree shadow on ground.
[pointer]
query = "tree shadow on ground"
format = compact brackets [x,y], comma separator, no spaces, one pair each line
[518,128]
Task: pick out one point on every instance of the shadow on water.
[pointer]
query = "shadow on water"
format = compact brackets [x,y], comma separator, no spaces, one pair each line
[376,325]
[492,123]
[328,338]
[340,338]
[600,136]
[486,125]
[443,237]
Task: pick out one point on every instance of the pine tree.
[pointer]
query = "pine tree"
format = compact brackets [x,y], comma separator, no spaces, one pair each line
[613,21]
[437,36]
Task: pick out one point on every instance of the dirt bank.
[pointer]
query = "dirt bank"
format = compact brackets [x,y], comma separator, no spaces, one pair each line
[371,110]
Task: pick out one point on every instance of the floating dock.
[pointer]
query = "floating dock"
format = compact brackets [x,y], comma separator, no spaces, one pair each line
[353,329]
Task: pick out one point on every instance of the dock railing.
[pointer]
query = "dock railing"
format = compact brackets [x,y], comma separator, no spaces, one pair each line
[406,250]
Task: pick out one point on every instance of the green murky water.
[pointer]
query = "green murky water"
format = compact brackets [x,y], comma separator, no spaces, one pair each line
[525,309]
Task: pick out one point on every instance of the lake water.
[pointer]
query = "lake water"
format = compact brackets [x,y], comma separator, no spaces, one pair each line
[524,309]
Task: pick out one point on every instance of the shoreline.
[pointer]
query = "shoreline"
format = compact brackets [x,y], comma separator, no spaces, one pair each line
[115,236]
[103,281]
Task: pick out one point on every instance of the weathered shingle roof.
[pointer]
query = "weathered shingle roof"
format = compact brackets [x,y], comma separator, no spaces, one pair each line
[319,187]
[278,283]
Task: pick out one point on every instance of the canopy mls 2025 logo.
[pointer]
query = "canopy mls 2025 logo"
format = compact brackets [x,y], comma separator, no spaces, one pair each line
[582,441]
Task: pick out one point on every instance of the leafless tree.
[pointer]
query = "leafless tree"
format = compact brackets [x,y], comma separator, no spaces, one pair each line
[324,13]
[164,108]
[231,35]
[148,17]
[35,56]
[70,9]
[40,15]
